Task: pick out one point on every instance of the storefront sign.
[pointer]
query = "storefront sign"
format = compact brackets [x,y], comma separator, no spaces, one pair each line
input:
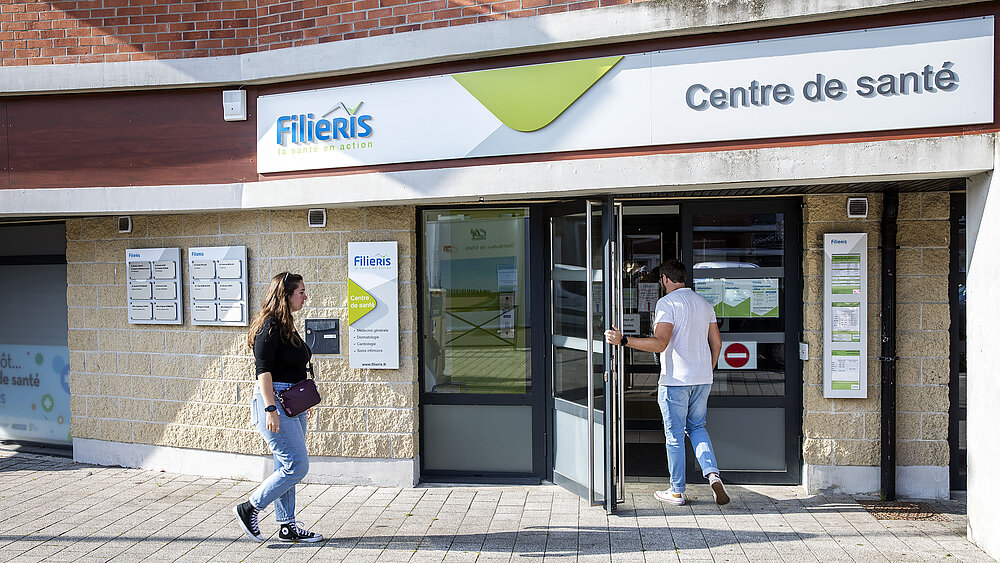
[924,75]
[154,286]
[34,393]
[373,304]
[218,276]
[845,322]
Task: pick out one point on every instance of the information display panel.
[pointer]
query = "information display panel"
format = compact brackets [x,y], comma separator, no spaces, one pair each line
[154,286]
[218,276]
[845,319]
[373,304]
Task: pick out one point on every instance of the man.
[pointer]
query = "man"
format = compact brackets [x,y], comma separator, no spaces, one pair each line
[686,337]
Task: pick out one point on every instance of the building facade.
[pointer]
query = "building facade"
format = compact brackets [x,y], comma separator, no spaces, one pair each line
[529,162]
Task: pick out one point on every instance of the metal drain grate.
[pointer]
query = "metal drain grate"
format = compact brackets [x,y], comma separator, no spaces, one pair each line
[903,511]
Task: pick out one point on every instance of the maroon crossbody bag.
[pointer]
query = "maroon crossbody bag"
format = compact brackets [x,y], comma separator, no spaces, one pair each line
[301,396]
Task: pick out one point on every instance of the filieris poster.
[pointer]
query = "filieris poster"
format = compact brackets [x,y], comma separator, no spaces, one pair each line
[34,393]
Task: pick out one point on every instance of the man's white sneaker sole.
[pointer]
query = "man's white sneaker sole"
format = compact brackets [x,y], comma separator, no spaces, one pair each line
[719,492]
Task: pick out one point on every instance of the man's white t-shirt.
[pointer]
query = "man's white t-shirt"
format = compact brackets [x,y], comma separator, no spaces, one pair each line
[687,360]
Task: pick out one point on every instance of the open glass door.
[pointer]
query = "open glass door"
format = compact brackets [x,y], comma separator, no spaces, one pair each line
[581,248]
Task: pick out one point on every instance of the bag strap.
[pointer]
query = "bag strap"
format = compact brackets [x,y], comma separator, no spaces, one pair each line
[309,370]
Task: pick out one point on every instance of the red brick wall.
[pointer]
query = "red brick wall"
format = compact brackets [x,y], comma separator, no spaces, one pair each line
[89,31]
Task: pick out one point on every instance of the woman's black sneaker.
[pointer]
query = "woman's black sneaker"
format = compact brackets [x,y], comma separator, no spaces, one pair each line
[246,516]
[293,532]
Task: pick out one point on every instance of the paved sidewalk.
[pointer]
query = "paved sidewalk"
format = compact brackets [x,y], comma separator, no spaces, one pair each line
[55,510]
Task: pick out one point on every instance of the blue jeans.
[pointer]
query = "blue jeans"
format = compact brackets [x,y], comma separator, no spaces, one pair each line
[291,461]
[684,409]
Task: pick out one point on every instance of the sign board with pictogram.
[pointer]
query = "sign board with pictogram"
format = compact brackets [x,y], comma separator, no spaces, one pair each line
[738,355]
[373,304]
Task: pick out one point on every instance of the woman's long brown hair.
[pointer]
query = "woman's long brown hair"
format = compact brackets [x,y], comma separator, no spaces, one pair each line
[275,306]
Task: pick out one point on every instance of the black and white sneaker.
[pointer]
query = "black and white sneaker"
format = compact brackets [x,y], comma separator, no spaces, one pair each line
[246,516]
[293,532]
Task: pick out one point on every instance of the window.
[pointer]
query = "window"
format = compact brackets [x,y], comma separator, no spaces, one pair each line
[476,321]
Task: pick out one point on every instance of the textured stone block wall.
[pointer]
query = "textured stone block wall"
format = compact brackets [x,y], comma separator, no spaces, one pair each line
[847,432]
[190,386]
[923,319]
[839,431]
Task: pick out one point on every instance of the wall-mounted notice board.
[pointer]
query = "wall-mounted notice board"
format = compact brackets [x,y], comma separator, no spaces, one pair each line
[845,315]
[219,294]
[154,286]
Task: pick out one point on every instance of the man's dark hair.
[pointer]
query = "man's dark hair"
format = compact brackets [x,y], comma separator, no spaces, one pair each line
[673,269]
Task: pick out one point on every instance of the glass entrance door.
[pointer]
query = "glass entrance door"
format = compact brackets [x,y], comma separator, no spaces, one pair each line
[604,422]
[744,258]
[582,401]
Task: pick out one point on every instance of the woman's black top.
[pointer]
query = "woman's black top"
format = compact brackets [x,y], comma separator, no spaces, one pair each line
[286,361]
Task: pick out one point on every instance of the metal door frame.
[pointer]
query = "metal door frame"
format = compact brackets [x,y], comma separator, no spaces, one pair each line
[792,401]
[613,447]
[613,418]
[534,262]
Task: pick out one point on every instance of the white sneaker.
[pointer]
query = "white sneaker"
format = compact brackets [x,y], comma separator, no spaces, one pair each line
[677,499]
[718,489]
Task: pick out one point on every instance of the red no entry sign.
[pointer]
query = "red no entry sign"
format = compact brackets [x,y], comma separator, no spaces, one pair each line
[736,355]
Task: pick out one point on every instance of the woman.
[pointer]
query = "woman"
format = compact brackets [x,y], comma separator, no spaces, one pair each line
[281,357]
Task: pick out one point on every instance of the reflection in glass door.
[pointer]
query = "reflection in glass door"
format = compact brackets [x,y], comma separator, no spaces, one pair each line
[744,259]
[577,349]
[481,413]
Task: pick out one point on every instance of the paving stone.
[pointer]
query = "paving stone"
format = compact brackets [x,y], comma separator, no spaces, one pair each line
[78,512]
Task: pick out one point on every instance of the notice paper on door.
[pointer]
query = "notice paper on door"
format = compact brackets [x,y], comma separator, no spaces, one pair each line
[630,324]
[649,293]
[736,302]
[764,297]
[713,290]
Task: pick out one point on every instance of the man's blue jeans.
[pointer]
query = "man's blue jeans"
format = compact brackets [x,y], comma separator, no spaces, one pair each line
[291,461]
[684,409]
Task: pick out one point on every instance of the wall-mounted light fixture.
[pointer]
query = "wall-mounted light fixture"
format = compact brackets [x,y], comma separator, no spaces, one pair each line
[125,224]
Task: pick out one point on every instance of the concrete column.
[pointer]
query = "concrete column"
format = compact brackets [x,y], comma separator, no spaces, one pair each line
[983,306]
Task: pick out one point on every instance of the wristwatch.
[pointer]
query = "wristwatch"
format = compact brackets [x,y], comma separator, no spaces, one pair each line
[270,408]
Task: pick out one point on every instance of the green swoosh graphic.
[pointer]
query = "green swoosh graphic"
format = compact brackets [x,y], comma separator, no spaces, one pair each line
[360,302]
[527,98]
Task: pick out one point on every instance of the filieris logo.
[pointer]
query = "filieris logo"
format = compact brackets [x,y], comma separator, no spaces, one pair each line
[373,261]
[305,128]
